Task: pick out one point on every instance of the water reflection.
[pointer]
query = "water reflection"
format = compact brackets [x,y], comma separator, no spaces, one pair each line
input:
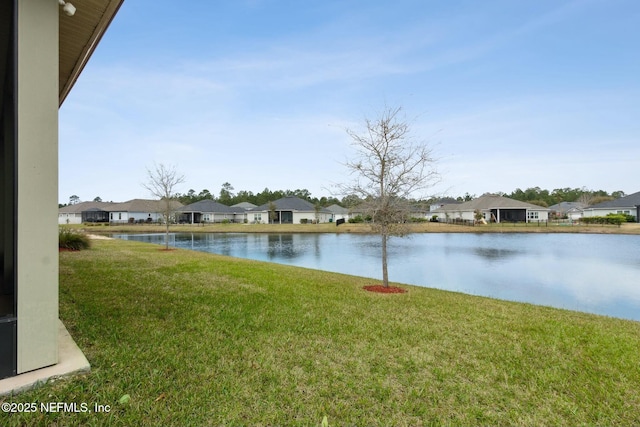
[495,254]
[593,273]
[282,246]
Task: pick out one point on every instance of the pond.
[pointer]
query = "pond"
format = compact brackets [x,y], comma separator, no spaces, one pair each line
[584,272]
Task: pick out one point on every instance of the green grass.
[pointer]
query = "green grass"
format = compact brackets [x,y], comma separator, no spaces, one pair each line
[201,339]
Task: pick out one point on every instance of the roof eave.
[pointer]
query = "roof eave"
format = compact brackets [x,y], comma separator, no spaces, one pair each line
[74,52]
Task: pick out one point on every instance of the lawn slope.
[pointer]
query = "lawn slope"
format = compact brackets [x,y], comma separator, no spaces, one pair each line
[201,339]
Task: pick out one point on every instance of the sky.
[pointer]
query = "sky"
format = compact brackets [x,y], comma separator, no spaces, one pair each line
[260,94]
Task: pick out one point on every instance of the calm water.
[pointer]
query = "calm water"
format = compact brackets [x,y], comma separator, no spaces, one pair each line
[592,273]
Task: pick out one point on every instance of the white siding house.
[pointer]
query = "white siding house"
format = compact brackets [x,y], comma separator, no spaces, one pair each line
[136,210]
[338,212]
[289,210]
[72,214]
[210,211]
[572,210]
[629,205]
[69,215]
[493,209]
[139,210]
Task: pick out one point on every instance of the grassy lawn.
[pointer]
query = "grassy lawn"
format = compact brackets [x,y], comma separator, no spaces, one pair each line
[202,339]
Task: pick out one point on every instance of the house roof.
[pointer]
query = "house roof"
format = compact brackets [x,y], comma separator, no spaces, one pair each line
[244,205]
[490,201]
[209,206]
[337,209]
[418,208]
[290,203]
[630,201]
[134,205]
[85,206]
[79,36]
[449,207]
[142,205]
[567,206]
[446,201]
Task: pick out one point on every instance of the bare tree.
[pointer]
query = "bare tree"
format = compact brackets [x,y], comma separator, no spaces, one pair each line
[162,181]
[585,198]
[389,167]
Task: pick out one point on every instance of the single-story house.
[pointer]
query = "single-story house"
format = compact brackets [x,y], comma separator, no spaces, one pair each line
[84,212]
[629,205]
[493,208]
[572,210]
[136,210]
[338,212]
[289,210]
[207,211]
[140,210]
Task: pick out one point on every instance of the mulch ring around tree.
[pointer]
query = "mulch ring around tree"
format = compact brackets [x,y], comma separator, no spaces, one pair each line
[384,290]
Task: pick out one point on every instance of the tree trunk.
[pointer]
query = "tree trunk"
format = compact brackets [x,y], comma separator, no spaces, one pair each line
[385,273]
[166,236]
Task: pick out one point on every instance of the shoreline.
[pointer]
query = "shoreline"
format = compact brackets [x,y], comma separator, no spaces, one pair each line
[627,229]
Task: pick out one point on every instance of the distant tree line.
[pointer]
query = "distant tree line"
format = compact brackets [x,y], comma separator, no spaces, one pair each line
[535,195]
[228,197]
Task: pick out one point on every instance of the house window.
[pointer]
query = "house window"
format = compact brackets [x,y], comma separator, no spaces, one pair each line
[532,215]
[624,212]
[257,217]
